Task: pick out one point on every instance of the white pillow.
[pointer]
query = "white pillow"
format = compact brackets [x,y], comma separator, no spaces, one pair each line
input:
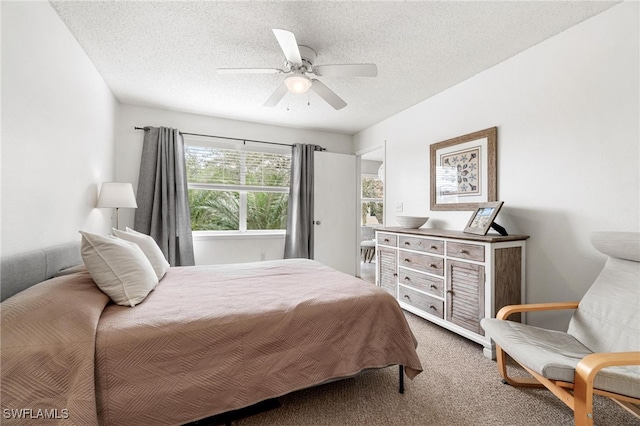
[118,267]
[149,248]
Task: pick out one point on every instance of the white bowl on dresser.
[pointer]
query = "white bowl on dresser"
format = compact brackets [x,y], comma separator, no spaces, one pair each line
[411,222]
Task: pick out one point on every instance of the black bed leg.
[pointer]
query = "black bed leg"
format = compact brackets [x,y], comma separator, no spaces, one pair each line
[401,371]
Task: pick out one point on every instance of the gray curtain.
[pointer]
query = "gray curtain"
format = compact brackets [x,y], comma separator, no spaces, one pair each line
[163,203]
[299,237]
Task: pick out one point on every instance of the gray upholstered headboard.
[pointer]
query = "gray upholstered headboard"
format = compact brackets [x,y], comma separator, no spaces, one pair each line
[21,271]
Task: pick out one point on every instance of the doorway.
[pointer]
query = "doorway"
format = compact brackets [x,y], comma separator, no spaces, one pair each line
[371,211]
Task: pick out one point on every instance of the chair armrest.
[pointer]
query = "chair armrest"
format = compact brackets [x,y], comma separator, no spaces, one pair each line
[585,374]
[591,364]
[508,310]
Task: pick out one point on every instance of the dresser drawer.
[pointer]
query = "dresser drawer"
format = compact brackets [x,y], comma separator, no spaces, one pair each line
[465,251]
[422,244]
[422,282]
[421,301]
[387,239]
[421,262]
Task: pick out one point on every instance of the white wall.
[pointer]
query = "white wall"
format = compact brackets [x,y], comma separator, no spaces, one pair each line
[369,167]
[233,249]
[58,119]
[567,112]
[210,250]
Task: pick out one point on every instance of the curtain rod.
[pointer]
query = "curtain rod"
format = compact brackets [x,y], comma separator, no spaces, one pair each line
[229,138]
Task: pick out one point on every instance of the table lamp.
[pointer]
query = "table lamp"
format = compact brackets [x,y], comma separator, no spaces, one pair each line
[116,195]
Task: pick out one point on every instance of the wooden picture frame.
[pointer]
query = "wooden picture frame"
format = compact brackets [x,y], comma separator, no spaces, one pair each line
[482,218]
[463,171]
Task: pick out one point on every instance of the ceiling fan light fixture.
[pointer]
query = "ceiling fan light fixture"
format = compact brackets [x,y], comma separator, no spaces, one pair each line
[298,83]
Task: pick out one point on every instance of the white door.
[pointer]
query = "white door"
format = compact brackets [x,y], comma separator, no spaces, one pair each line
[335,242]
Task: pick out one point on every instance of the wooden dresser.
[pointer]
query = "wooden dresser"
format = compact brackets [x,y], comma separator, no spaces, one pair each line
[451,278]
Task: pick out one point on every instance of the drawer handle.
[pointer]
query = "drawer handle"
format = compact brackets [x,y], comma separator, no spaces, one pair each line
[408,260]
[407,279]
[433,248]
[463,251]
[407,296]
[450,292]
[433,307]
[433,265]
[433,286]
[386,240]
[407,243]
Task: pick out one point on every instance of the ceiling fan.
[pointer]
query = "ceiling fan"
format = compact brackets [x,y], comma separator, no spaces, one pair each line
[302,71]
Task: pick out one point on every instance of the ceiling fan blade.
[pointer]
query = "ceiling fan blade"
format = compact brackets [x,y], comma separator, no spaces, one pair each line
[328,95]
[277,95]
[347,70]
[249,71]
[289,46]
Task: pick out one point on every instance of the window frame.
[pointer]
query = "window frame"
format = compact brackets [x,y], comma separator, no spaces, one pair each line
[364,200]
[243,190]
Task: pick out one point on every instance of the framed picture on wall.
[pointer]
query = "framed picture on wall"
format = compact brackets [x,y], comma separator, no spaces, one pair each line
[482,218]
[463,171]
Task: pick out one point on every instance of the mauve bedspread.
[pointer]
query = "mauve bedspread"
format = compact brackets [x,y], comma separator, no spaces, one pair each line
[208,339]
[48,351]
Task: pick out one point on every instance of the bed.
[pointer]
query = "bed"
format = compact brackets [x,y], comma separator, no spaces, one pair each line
[206,340]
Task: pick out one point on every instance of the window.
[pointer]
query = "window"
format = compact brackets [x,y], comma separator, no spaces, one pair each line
[236,189]
[372,197]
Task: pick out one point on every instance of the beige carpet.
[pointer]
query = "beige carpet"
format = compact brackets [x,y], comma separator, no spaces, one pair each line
[458,387]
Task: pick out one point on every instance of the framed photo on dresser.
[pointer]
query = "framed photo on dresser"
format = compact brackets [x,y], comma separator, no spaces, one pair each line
[482,218]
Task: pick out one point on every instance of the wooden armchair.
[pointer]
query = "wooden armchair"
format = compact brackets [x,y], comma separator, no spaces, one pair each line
[600,351]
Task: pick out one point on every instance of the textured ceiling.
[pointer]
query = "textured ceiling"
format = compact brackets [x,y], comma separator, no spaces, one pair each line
[165,54]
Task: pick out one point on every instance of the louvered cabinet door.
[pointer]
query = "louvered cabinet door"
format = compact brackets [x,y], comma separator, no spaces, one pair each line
[388,269]
[465,295]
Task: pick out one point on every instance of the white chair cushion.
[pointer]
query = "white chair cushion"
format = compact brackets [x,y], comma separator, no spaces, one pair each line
[555,355]
[149,247]
[368,244]
[118,267]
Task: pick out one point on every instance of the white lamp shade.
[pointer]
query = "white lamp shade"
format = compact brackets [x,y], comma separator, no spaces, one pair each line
[118,195]
[298,83]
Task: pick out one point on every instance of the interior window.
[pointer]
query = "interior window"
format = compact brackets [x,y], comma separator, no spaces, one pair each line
[372,197]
